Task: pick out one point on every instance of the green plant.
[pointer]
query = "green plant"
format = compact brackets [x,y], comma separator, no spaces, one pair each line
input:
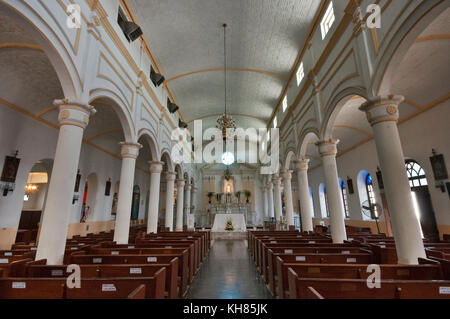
[219,197]
[210,195]
[238,195]
[247,194]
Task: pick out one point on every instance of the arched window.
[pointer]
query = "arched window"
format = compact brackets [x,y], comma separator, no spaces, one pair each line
[345,199]
[416,174]
[323,200]
[371,193]
[326,201]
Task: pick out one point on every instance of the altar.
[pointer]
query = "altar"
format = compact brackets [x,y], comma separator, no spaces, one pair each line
[220,222]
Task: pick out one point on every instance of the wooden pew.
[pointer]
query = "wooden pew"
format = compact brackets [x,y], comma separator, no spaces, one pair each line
[25,288]
[183,269]
[38,269]
[358,289]
[13,266]
[91,288]
[359,271]
[149,251]
[119,288]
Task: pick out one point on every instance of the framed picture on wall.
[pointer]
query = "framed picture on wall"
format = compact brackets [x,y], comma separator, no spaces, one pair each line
[108,188]
[10,169]
[439,168]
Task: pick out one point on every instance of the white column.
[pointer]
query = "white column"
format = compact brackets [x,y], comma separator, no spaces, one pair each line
[129,153]
[382,113]
[287,176]
[153,202]
[170,183]
[187,198]
[270,193]
[73,119]
[180,204]
[306,213]
[328,151]
[277,197]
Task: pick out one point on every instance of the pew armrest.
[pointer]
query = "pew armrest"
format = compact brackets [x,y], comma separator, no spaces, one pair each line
[313,294]
[138,293]
[292,279]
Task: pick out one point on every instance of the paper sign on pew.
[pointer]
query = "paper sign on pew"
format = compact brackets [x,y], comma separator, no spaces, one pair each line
[57,273]
[8,254]
[288,251]
[444,290]
[300,258]
[4,260]
[351,260]
[19,285]
[108,287]
[97,260]
[114,253]
[152,259]
[136,271]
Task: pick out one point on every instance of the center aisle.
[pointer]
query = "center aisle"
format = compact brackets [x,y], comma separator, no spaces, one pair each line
[228,273]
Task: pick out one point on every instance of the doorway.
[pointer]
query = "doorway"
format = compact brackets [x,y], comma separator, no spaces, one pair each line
[422,200]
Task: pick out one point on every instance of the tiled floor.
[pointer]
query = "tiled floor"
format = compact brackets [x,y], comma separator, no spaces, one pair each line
[228,273]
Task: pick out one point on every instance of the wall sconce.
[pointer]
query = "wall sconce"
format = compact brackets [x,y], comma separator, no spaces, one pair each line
[8,178]
[351,190]
[380,179]
[439,170]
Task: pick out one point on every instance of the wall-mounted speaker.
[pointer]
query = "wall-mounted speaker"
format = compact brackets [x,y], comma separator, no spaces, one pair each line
[181,124]
[172,107]
[131,30]
[157,79]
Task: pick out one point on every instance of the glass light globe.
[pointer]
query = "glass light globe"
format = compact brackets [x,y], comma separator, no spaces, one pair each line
[227,158]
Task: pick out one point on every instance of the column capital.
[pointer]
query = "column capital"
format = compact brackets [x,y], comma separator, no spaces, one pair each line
[194,189]
[156,167]
[171,176]
[129,150]
[188,186]
[181,182]
[328,148]
[302,164]
[382,108]
[276,180]
[73,113]
[287,175]
[269,185]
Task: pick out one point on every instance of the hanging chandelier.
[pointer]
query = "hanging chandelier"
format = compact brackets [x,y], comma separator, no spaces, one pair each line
[225,121]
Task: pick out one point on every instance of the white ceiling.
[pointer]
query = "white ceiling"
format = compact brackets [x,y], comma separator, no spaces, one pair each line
[263,35]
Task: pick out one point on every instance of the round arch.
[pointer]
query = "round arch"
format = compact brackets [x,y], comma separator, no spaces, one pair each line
[179,171]
[335,106]
[43,33]
[290,157]
[424,14]
[165,157]
[151,140]
[122,113]
[305,138]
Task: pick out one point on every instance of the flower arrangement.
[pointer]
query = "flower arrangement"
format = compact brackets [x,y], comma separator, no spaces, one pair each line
[229,226]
